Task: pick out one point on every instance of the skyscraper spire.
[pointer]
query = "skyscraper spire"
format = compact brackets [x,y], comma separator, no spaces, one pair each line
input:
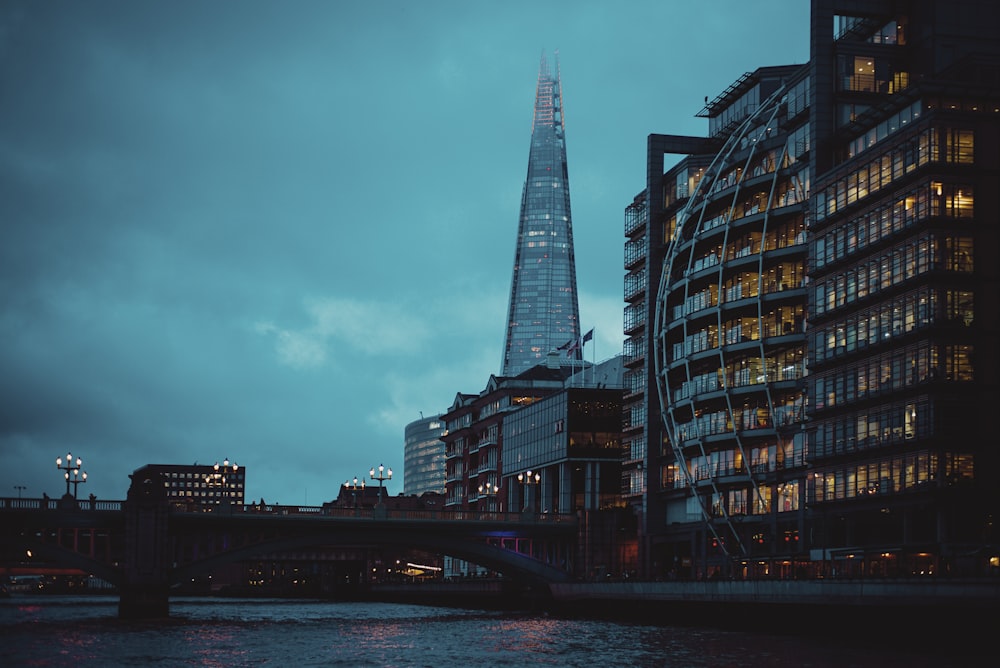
[543,313]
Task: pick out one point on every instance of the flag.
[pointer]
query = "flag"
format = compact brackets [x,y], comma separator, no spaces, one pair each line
[578,343]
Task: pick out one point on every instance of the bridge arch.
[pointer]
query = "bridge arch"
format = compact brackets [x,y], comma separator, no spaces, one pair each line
[56,554]
[507,562]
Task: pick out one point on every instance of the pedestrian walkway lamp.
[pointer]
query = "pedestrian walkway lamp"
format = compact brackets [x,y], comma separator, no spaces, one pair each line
[383,474]
[489,492]
[73,468]
[527,480]
[354,490]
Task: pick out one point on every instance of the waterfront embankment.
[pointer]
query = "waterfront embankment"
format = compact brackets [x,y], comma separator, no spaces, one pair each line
[942,609]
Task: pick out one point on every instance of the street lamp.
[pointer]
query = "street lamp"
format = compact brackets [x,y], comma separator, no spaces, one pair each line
[354,490]
[529,479]
[490,491]
[74,468]
[19,488]
[383,474]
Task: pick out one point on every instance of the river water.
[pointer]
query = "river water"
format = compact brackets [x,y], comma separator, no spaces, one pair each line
[85,631]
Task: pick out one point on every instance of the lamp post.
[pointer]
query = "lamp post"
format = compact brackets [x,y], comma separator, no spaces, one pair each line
[383,474]
[19,488]
[218,476]
[528,479]
[74,468]
[489,490]
[354,490]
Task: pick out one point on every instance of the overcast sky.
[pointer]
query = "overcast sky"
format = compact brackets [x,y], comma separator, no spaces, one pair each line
[278,232]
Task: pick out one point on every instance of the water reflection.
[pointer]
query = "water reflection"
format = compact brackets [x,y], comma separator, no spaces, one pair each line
[213,633]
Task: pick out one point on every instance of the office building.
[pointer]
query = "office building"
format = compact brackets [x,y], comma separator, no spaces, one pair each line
[543,313]
[423,457]
[825,347]
[903,301]
[202,487]
[729,341]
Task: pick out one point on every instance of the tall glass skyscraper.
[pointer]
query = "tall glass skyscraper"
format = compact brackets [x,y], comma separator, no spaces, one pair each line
[543,312]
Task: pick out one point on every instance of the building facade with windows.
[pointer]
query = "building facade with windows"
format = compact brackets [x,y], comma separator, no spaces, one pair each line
[423,457]
[474,435]
[543,313]
[903,275]
[199,486]
[822,322]
[729,339]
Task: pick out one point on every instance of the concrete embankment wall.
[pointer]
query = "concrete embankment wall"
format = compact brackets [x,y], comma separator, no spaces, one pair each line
[941,609]
[812,592]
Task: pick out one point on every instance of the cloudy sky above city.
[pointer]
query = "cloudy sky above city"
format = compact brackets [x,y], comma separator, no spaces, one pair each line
[279,232]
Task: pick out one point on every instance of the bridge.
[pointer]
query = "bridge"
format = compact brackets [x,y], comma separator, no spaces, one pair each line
[147,548]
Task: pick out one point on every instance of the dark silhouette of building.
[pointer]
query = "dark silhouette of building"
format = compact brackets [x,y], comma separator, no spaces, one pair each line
[199,486]
[543,313]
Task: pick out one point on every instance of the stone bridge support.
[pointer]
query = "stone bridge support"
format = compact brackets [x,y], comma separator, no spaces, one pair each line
[145,585]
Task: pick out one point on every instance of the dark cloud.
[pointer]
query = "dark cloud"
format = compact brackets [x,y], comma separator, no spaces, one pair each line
[277,232]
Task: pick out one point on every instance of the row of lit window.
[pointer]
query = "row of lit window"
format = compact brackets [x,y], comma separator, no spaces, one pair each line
[786,193]
[758,500]
[931,145]
[758,415]
[195,493]
[892,371]
[789,453]
[931,199]
[199,476]
[868,74]
[914,310]
[762,164]
[736,331]
[879,427]
[891,475]
[931,252]
[777,322]
[201,483]
[723,422]
[777,278]
[782,276]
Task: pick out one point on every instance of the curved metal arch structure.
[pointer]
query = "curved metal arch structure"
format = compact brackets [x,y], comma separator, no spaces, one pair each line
[755,135]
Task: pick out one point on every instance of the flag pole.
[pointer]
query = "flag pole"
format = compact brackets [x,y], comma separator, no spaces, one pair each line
[593,353]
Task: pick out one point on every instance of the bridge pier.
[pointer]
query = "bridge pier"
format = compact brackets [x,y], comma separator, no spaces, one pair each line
[145,587]
[144,601]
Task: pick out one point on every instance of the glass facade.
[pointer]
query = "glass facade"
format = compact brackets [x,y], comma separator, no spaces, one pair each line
[730,334]
[543,313]
[826,324]
[902,221]
[423,457]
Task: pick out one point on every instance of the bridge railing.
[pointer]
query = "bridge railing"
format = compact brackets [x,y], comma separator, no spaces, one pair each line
[378,512]
[8,503]
[390,513]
